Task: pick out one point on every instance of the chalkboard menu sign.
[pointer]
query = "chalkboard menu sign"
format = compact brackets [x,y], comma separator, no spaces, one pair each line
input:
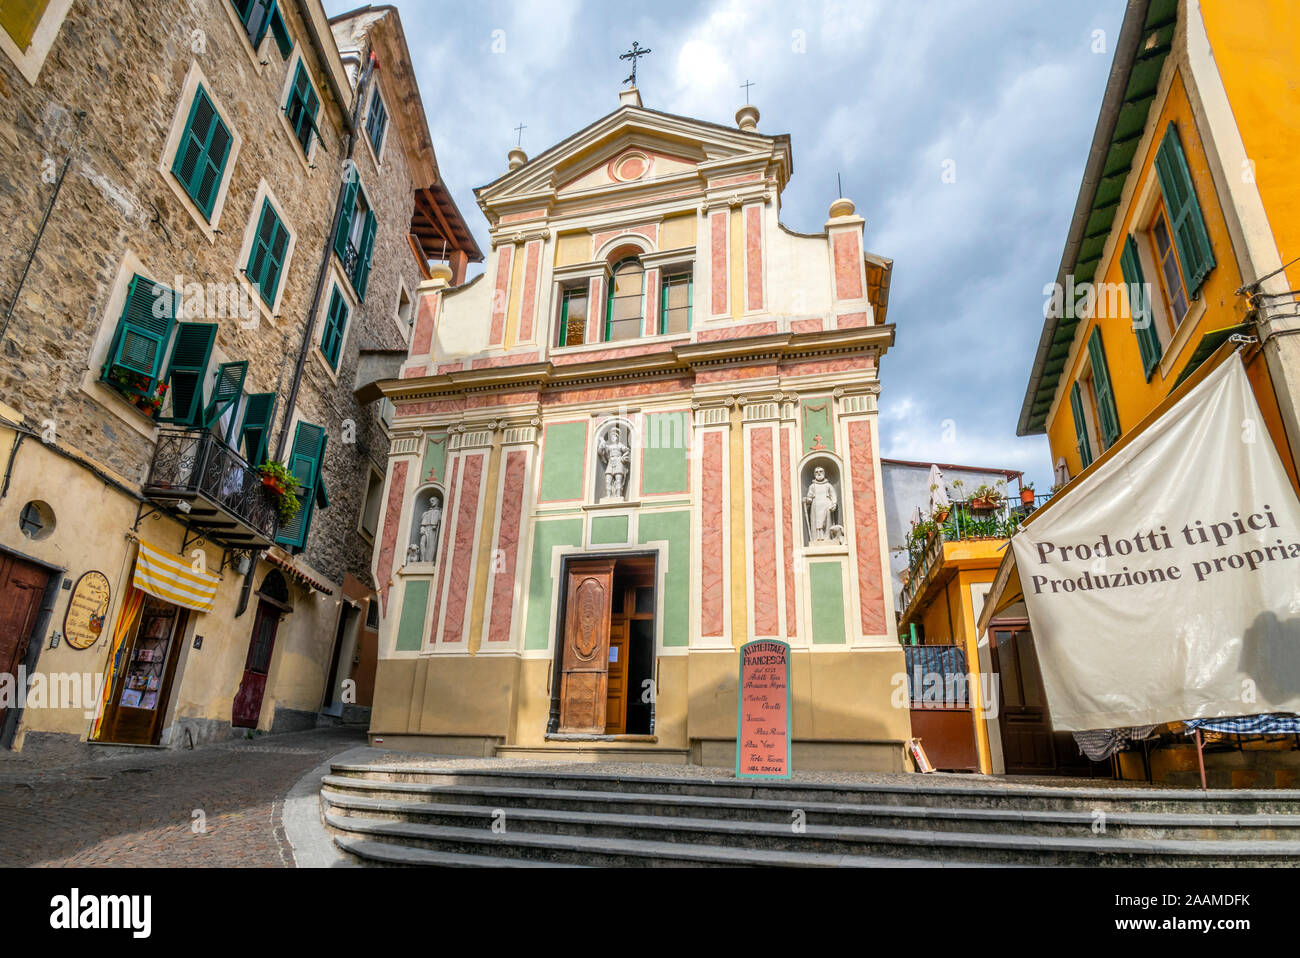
[763,716]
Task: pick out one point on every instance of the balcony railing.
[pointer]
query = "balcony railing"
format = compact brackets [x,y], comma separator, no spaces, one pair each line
[351,260]
[210,487]
[966,520]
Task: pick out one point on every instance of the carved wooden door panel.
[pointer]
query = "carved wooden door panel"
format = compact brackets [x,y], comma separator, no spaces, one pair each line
[585,679]
[616,695]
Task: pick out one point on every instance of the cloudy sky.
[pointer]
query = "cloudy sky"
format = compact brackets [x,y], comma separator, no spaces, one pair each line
[960,128]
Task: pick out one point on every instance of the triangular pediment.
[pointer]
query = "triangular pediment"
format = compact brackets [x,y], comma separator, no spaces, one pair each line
[633,145]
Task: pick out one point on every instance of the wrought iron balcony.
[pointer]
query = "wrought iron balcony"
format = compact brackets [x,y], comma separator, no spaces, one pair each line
[965,520]
[210,487]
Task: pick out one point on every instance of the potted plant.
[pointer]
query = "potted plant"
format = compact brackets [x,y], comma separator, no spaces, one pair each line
[1027,494]
[940,513]
[282,485]
[985,498]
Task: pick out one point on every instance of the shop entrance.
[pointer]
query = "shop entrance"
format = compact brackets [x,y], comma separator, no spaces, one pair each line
[22,587]
[143,687]
[605,665]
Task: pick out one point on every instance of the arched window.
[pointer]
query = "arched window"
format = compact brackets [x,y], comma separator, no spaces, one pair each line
[626,297]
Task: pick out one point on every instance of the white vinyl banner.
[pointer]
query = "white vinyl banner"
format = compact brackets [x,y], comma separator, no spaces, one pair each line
[1167,585]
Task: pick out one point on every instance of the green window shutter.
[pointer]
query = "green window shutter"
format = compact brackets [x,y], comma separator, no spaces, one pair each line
[1144,326]
[267,258]
[1185,219]
[225,394]
[306,460]
[255,429]
[1080,426]
[256,16]
[143,330]
[302,108]
[187,370]
[377,122]
[1106,410]
[201,156]
[345,219]
[336,322]
[280,31]
[361,276]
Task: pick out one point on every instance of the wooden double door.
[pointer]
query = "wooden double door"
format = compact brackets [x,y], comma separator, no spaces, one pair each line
[607,654]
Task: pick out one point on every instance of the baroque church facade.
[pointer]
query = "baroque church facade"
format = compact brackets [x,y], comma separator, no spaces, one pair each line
[645,435]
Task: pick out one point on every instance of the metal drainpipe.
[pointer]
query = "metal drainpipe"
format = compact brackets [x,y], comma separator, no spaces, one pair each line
[323,272]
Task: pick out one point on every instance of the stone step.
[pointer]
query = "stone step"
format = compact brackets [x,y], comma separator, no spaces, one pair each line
[387,854]
[553,849]
[1141,825]
[837,841]
[929,790]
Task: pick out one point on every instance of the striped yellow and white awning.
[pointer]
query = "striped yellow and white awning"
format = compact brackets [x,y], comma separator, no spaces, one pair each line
[173,580]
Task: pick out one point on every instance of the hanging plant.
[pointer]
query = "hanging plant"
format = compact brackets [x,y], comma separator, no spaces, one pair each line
[282,486]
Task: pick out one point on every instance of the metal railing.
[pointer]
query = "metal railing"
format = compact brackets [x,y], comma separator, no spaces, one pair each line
[195,462]
[966,519]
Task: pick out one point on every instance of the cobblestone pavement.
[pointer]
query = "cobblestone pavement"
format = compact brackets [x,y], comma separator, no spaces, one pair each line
[137,807]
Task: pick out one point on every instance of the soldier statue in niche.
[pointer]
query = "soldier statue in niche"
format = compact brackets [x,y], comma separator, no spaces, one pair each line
[617,457]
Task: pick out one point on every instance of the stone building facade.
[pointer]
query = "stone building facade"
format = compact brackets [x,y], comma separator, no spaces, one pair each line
[173,175]
[649,428]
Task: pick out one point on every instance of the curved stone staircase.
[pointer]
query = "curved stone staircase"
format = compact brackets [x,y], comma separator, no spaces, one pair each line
[512,817]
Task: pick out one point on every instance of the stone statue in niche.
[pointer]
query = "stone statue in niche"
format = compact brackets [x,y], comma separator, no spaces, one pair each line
[412,553]
[820,505]
[617,457]
[429,524]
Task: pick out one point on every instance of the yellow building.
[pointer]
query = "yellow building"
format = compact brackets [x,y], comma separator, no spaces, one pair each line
[1182,249]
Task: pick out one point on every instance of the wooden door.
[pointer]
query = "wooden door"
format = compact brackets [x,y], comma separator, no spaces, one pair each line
[247,707]
[1027,740]
[143,688]
[616,696]
[22,586]
[585,657]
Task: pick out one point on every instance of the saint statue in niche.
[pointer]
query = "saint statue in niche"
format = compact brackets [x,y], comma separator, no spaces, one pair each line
[429,523]
[820,503]
[617,457]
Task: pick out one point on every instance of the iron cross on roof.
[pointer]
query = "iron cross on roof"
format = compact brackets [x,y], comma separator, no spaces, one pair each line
[632,55]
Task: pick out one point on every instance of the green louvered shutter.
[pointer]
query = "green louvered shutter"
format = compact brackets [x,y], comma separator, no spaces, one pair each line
[1185,219]
[225,394]
[377,122]
[1144,325]
[201,156]
[361,277]
[345,220]
[187,370]
[280,31]
[256,15]
[267,258]
[1106,410]
[302,107]
[305,461]
[336,322]
[1080,426]
[143,330]
[255,429]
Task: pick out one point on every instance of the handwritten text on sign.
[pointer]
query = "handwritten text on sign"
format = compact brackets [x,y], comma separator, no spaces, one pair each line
[763,728]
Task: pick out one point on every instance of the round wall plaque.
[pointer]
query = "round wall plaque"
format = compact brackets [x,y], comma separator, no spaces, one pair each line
[87,609]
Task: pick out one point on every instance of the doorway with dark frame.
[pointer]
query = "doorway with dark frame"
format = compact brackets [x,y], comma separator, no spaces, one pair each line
[604,665]
[273,601]
[27,592]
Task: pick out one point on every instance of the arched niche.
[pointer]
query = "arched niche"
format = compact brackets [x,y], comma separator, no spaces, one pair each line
[613,461]
[275,590]
[821,501]
[428,518]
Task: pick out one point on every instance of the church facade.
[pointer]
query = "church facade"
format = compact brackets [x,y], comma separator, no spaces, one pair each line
[644,436]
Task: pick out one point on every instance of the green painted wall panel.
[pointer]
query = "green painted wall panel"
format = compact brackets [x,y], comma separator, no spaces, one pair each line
[410,628]
[817,422]
[547,535]
[827,580]
[564,448]
[609,529]
[435,459]
[675,529]
[664,464]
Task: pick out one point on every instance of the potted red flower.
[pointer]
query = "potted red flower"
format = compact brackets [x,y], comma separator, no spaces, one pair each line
[1027,494]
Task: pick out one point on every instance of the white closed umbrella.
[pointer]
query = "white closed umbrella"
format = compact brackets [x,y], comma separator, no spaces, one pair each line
[938,494]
